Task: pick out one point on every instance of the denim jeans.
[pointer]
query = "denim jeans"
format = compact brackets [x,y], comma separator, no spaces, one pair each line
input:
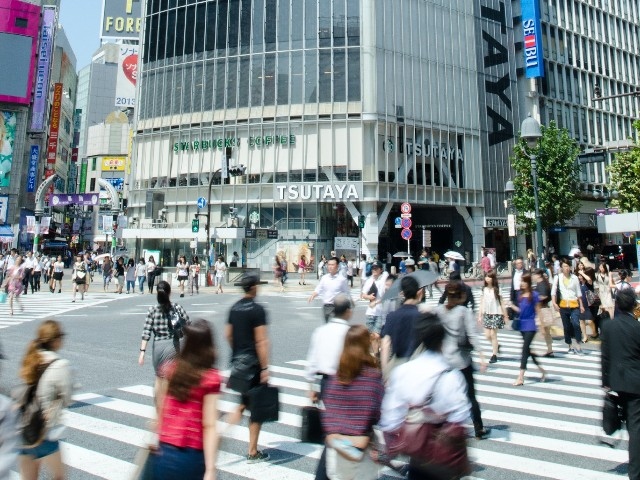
[173,463]
[131,284]
[141,280]
[571,324]
[374,323]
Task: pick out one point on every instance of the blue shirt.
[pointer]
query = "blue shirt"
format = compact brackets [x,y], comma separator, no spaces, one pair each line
[527,306]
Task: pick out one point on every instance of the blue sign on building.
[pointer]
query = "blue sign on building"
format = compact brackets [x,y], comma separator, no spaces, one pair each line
[532,29]
[33,168]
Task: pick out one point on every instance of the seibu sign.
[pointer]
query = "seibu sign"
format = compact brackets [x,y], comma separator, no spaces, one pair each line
[319,192]
[532,30]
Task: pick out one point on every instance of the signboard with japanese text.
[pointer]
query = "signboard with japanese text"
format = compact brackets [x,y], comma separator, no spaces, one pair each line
[54,125]
[127,76]
[33,168]
[41,90]
[113,164]
[532,29]
[83,177]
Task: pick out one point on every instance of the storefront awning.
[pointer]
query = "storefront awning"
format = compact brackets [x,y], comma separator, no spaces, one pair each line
[5,231]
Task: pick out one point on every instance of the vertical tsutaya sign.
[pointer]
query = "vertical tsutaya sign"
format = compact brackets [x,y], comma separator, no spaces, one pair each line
[121,19]
[83,177]
[532,29]
[8,124]
[41,89]
[127,76]
[54,127]
[33,168]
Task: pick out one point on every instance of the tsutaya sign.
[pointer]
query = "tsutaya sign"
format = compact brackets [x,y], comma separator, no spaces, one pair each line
[321,192]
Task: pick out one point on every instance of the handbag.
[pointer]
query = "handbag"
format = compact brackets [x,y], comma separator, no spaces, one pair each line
[3,297]
[264,403]
[430,439]
[311,429]
[515,324]
[593,298]
[611,414]
[244,369]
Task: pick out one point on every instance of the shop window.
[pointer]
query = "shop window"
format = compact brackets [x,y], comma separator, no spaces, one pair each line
[355,175]
[92,185]
[295,176]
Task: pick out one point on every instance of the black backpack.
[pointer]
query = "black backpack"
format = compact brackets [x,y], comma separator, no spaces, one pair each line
[31,419]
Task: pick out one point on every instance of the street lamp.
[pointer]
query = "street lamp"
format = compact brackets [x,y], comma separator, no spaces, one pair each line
[531,134]
[509,190]
[607,195]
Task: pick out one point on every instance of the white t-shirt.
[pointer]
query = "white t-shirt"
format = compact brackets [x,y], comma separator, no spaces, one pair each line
[220,268]
[183,269]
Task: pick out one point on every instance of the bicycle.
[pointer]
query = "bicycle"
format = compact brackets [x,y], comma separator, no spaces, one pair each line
[502,268]
[474,271]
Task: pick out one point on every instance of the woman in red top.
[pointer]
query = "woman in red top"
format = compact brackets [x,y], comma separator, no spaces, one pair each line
[188,411]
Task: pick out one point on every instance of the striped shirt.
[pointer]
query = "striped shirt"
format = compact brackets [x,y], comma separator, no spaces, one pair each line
[160,323]
[353,409]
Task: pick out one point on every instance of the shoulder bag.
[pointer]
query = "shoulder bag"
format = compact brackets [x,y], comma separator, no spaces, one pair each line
[593,299]
[430,439]
[244,369]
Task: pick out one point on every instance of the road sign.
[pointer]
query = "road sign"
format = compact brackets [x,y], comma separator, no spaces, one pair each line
[406,234]
[405,207]
[398,222]
[193,244]
[592,157]
[406,215]
[406,223]
[201,202]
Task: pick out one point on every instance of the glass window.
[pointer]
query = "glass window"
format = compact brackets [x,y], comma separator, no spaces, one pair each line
[188,32]
[258,26]
[283,23]
[339,75]
[234,19]
[324,30]
[311,23]
[201,18]
[325,74]
[339,23]
[243,81]
[270,25]
[353,78]
[245,27]
[270,79]
[180,33]
[296,25]
[353,22]
[220,85]
[94,162]
[232,82]
[296,77]
[256,80]
[210,37]
[171,34]
[310,76]
[283,78]
[221,36]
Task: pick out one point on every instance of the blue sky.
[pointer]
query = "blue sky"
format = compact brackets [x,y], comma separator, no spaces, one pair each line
[81,22]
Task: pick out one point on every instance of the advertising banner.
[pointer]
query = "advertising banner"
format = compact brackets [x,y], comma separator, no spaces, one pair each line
[41,89]
[31,224]
[75,199]
[532,28]
[121,19]
[54,124]
[113,164]
[33,168]
[83,177]
[45,223]
[107,223]
[4,208]
[118,183]
[77,226]
[7,138]
[127,76]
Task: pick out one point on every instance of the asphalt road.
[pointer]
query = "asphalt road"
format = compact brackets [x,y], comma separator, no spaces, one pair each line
[545,430]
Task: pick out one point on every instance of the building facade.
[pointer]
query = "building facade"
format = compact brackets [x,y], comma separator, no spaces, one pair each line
[586,44]
[300,117]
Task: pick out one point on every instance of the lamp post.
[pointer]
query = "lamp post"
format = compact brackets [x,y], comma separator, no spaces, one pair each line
[530,132]
[509,190]
[606,196]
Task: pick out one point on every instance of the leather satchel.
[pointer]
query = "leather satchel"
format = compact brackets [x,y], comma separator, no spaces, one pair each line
[611,414]
[264,403]
[244,369]
[430,439]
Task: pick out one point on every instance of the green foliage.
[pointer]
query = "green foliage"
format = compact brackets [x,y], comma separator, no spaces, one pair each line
[558,178]
[625,178]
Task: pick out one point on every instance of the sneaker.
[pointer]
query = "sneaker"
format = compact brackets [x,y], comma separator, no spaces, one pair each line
[571,350]
[482,434]
[493,359]
[258,457]
[579,352]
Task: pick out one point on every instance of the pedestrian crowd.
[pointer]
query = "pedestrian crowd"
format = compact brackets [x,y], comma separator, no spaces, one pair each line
[400,386]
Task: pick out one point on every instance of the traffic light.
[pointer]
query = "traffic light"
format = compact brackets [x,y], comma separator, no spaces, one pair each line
[361,221]
[238,170]
[195,225]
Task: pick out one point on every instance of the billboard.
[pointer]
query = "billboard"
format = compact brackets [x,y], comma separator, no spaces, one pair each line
[121,19]
[19,31]
[113,164]
[127,76]
[83,177]
[532,30]
[8,123]
[41,89]
[32,174]
[54,128]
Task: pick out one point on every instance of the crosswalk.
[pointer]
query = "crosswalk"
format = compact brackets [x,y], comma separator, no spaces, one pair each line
[540,430]
[44,304]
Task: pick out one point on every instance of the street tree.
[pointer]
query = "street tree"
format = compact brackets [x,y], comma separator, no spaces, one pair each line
[625,175]
[558,178]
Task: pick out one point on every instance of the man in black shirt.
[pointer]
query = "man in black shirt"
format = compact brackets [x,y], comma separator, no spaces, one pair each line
[469,300]
[398,332]
[246,332]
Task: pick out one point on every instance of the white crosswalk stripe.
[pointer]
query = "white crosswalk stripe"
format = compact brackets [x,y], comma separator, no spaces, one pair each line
[47,305]
[541,430]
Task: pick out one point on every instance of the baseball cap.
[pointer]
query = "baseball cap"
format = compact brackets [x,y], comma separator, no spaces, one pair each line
[376,264]
[249,281]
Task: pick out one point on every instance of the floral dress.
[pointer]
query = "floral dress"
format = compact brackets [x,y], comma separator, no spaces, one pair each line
[14,282]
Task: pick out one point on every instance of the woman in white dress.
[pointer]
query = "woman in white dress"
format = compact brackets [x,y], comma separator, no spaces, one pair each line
[493,314]
[603,285]
[221,269]
[182,270]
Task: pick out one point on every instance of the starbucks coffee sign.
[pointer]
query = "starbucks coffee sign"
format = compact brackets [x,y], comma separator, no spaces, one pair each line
[233,142]
[318,192]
